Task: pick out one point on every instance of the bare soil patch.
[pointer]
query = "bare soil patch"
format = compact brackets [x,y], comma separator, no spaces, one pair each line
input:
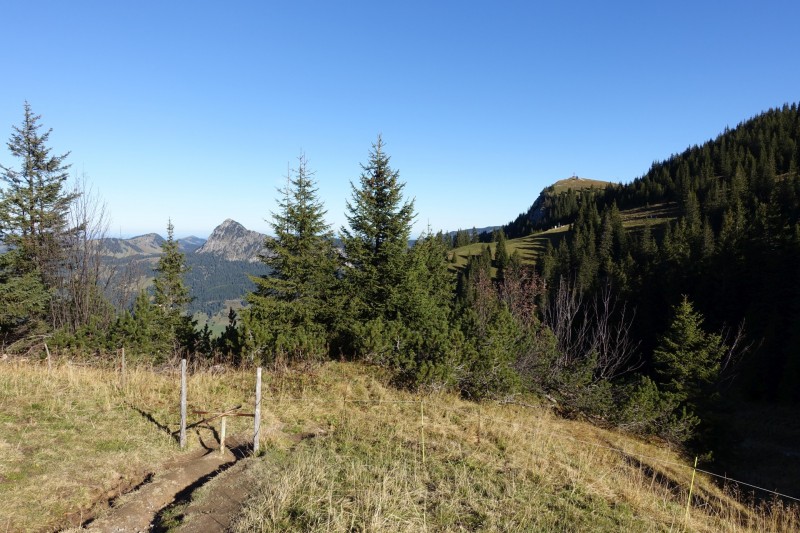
[138,511]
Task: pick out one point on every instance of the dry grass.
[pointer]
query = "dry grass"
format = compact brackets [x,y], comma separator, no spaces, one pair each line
[344,452]
[577,183]
[70,436]
[486,467]
[67,438]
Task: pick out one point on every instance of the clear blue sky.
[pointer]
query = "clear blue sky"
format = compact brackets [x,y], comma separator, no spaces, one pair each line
[192,110]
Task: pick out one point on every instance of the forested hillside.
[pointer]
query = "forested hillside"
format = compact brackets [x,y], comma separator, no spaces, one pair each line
[557,203]
[216,273]
[733,249]
[212,280]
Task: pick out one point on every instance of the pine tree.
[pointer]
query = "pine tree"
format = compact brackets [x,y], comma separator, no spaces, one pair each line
[33,204]
[428,348]
[33,223]
[23,300]
[291,307]
[171,295]
[376,243]
[229,343]
[688,359]
[461,238]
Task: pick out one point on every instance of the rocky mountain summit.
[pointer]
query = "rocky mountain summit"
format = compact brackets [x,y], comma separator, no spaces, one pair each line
[233,242]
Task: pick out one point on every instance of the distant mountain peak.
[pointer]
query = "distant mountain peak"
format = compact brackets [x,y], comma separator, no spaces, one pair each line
[147,244]
[232,241]
[190,244]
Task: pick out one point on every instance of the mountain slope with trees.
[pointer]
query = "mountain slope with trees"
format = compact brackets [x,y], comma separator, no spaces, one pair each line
[732,249]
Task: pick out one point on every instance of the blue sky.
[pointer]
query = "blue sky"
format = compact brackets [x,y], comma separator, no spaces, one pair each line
[193,110]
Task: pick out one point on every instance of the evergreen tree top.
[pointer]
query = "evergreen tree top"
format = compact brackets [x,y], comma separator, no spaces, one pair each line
[377,213]
[171,293]
[28,144]
[33,204]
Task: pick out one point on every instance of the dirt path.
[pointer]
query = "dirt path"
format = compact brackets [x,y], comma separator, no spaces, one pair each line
[220,506]
[138,511]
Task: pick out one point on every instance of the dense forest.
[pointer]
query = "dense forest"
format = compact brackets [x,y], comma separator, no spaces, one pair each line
[732,250]
[644,327]
[213,280]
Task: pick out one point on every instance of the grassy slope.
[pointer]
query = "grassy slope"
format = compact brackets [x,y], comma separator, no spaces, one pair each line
[578,183]
[484,467]
[345,452]
[532,245]
[72,436]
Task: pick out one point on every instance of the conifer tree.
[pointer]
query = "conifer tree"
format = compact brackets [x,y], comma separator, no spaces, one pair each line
[688,359]
[33,204]
[229,343]
[291,307]
[501,256]
[461,238]
[376,243]
[171,295]
[429,346]
[33,222]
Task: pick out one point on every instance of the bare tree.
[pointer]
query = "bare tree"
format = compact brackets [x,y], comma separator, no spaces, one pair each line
[563,314]
[600,329]
[519,290]
[737,347]
[611,342]
[80,293]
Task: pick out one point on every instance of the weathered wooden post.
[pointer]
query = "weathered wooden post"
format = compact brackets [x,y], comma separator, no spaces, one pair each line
[222,436]
[183,403]
[257,415]
[422,427]
[123,370]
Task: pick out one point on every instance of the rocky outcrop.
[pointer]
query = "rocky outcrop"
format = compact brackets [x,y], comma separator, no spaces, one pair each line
[233,242]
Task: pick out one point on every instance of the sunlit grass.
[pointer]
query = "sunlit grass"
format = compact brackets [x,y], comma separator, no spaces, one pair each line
[343,451]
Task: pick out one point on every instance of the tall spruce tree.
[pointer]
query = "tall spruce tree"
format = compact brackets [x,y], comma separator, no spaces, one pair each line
[290,308]
[33,204]
[33,222]
[171,295]
[376,243]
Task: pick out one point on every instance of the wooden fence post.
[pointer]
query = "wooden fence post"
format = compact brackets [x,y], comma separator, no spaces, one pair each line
[222,437]
[422,427]
[183,403]
[123,376]
[257,416]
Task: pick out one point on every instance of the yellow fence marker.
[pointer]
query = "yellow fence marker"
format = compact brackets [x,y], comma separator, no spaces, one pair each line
[691,488]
